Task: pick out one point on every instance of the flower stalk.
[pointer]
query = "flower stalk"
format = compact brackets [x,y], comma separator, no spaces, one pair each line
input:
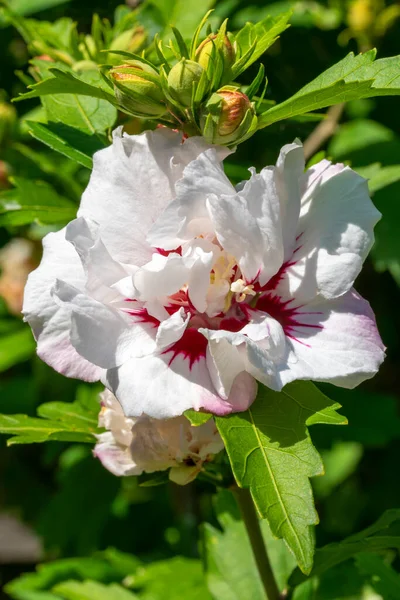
[253,529]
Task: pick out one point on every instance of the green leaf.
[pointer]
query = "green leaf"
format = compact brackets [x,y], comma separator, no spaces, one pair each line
[262,35]
[82,102]
[70,142]
[15,347]
[60,421]
[380,177]
[271,453]
[92,590]
[383,534]
[34,201]
[352,78]
[107,566]
[29,7]
[173,579]
[196,417]
[231,571]
[64,82]
[384,579]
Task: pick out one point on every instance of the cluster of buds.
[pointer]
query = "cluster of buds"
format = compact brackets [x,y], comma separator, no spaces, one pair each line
[197,94]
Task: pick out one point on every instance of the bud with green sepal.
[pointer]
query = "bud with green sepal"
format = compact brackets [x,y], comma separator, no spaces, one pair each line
[228,117]
[138,89]
[132,40]
[216,55]
[183,79]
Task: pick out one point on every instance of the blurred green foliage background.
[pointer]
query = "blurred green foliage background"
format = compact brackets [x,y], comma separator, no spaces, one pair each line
[69,502]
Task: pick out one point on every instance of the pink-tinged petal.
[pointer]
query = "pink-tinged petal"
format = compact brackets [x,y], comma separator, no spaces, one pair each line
[49,321]
[335,234]
[288,172]
[114,457]
[105,336]
[336,341]
[131,183]
[248,226]
[187,216]
[165,385]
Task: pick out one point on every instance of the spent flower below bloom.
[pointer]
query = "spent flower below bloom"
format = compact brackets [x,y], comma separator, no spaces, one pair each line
[145,445]
[178,290]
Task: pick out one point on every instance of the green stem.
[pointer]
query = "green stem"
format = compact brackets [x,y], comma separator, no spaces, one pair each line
[253,528]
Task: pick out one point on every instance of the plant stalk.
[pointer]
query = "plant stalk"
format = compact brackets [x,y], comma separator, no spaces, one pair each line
[253,528]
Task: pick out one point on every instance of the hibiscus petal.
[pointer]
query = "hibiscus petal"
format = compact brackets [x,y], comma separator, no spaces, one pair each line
[187,215]
[166,385]
[51,322]
[102,271]
[133,181]
[335,235]
[104,336]
[248,226]
[172,329]
[336,341]
[117,459]
[288,171]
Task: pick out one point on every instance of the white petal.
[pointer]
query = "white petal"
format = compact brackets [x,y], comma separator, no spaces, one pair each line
[172,329]
[50,322]
[166,385]
[162,276]
[101,270]
[187,215]
[115,458]
[335,341]
[335,235]
[104,336]
[132,182]
[288,172]
[248,226]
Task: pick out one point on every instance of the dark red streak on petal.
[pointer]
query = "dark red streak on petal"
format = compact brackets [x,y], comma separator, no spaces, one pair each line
[288,316]
[191,347]
[142,316]
[168,252]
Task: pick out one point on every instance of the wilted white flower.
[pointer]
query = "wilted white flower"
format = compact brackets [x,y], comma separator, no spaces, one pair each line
[179,291]
[145,445]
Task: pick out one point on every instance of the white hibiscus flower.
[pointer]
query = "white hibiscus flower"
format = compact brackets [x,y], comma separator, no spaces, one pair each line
[145,445]
[179,291]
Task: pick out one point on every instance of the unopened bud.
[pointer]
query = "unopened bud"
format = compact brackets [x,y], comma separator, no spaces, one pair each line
[181,80]
[207,50]
[228,117]
[132,40]
[4,175]
[8,120]
[138,89]
[84,65]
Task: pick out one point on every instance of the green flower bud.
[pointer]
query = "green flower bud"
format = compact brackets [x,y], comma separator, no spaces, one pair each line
[205,51]
[132,40]
[228,117]
[85,65]
[8,120]
[138,90]
[181,79]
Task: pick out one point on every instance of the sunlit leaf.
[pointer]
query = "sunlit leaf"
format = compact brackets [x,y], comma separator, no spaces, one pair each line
[271,453]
